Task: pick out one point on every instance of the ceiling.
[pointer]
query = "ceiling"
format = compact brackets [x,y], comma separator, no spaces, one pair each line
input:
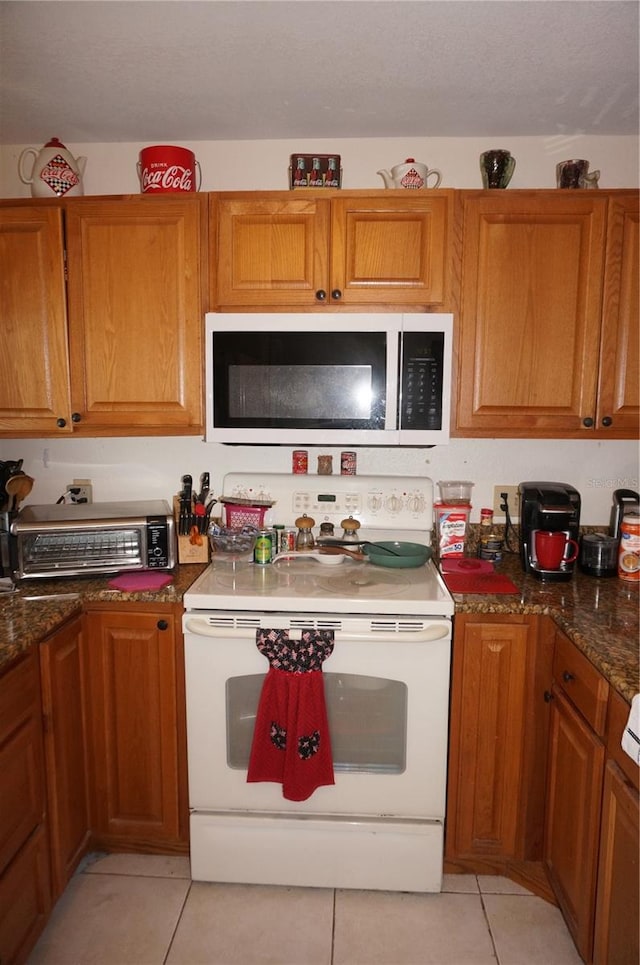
[141,70]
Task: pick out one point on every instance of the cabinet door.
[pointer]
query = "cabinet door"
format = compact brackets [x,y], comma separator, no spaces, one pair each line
[532,269]
[270,250]
[617,927]
[135,315]
[22,801]
[572,826]
[392,249]
[618,405]
[498,715]
[65,751]
[34,367]
[137,743]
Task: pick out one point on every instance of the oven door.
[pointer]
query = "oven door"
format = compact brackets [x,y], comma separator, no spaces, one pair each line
[387,696]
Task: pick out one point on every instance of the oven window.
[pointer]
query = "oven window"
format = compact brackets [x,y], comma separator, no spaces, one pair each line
[367,720]
[310,380]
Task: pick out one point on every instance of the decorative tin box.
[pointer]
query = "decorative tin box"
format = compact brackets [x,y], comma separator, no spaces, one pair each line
[315,171]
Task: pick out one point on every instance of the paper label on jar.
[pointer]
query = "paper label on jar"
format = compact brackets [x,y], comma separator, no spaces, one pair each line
[452,528]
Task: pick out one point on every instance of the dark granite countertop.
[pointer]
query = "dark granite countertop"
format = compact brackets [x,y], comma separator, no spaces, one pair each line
[24,621]
[599,615]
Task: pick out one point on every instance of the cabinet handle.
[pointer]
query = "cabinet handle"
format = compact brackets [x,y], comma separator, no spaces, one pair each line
[162,625]
[61,423]
[567,677]
[588,422]
[75,417]
[607,421]
[336,294]
[321,295]
[548,696]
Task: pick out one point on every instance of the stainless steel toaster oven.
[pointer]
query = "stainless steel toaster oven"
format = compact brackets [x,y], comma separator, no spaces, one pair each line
[93,538]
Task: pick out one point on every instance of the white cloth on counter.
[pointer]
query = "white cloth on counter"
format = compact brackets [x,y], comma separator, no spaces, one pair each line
[631,735]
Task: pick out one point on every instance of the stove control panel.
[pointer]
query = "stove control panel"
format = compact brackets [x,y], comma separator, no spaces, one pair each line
[381,501]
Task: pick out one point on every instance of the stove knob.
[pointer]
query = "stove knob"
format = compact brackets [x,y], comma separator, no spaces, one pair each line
[416,504]
[376,503]
[394,504]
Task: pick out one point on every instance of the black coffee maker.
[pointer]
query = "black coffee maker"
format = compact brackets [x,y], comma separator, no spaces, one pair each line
[551,507]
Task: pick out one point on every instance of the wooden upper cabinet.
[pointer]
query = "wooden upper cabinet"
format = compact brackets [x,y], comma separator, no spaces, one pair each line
[619,378]
[315,249]
[530,320]
[34,366]
[135,315]
[269,250]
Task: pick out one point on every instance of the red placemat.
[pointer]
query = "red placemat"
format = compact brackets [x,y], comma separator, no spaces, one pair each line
[473,582]
[140,581]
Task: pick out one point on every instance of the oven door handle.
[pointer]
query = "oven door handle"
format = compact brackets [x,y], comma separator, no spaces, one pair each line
[202,628]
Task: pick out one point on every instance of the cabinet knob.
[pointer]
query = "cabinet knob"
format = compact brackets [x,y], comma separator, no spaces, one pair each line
[75,417]
[61,423]
[162,624]
[321,295]
[607,421]
[588,422]
[567,677]
[336,294]
[548,696]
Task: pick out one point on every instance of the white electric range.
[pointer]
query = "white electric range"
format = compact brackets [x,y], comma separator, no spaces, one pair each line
[379,823]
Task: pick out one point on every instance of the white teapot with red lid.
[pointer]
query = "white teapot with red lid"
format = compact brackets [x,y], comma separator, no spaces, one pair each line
[411,174]
[54,172]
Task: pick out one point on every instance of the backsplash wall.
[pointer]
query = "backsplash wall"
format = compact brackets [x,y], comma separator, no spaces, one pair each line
[142,468]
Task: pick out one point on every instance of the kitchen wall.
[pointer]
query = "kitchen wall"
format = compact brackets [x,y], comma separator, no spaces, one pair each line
[151,467]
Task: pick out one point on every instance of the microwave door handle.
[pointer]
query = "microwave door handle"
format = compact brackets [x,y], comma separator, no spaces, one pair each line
[201,627]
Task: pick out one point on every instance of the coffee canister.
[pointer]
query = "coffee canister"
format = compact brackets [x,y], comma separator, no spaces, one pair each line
[629,551]
[165,168]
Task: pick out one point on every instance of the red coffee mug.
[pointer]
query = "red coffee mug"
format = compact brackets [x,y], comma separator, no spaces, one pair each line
[551,549]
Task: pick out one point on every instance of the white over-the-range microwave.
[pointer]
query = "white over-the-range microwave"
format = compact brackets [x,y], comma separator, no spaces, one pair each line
[338,379]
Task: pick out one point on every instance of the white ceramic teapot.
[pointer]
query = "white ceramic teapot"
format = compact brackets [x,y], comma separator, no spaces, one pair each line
[411,174]
[54,171]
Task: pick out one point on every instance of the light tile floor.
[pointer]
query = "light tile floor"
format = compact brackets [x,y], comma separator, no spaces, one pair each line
[125,909]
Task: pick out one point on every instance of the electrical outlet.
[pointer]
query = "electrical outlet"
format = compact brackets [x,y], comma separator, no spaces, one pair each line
[513,501]
[80,491]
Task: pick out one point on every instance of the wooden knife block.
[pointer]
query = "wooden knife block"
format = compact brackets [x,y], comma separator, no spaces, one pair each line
[189,549]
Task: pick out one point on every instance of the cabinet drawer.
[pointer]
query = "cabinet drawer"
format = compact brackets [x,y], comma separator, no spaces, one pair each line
[24,899]
[581,682]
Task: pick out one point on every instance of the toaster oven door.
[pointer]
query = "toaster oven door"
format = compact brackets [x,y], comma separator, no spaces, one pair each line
[81,552]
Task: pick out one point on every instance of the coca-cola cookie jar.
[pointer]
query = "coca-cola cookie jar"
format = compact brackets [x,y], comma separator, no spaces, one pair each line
[165,168]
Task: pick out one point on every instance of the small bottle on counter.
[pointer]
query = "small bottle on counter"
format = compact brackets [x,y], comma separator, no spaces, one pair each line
[490,545]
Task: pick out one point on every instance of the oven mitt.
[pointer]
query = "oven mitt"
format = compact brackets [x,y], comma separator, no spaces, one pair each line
[291,743]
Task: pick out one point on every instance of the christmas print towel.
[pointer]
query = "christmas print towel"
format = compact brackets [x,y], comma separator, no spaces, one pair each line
[291,743]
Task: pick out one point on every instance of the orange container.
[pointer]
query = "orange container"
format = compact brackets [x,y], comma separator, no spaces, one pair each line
[629,551]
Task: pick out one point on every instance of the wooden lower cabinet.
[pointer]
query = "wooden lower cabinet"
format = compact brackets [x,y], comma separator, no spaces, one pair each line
[501,668]
[25,898]
[618,902]
[574,790]
[137,733]
[65,751]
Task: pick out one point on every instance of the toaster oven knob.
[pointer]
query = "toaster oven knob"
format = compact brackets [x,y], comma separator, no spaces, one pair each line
[162,624]
[61,423]
[588,422]
[75,417]
[607,421]
[321,295]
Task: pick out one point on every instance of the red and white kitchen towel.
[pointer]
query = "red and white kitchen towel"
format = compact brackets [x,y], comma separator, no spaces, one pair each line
[291,742]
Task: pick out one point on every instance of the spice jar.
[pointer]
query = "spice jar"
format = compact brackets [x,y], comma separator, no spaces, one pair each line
[304,539]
